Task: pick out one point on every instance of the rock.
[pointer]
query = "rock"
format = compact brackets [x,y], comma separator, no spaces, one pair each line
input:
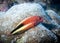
[38,34]
[5,39]
[54,16]
[55,20]
[19,12]
[57,33]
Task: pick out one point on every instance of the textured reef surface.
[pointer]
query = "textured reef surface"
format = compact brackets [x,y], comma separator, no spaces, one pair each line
[46,32]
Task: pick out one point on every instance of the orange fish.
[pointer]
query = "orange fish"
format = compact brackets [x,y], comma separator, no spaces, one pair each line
[27,23]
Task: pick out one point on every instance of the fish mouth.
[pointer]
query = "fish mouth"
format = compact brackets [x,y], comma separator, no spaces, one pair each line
[22,28]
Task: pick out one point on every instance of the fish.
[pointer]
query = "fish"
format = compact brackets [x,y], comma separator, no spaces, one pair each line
[27,23]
